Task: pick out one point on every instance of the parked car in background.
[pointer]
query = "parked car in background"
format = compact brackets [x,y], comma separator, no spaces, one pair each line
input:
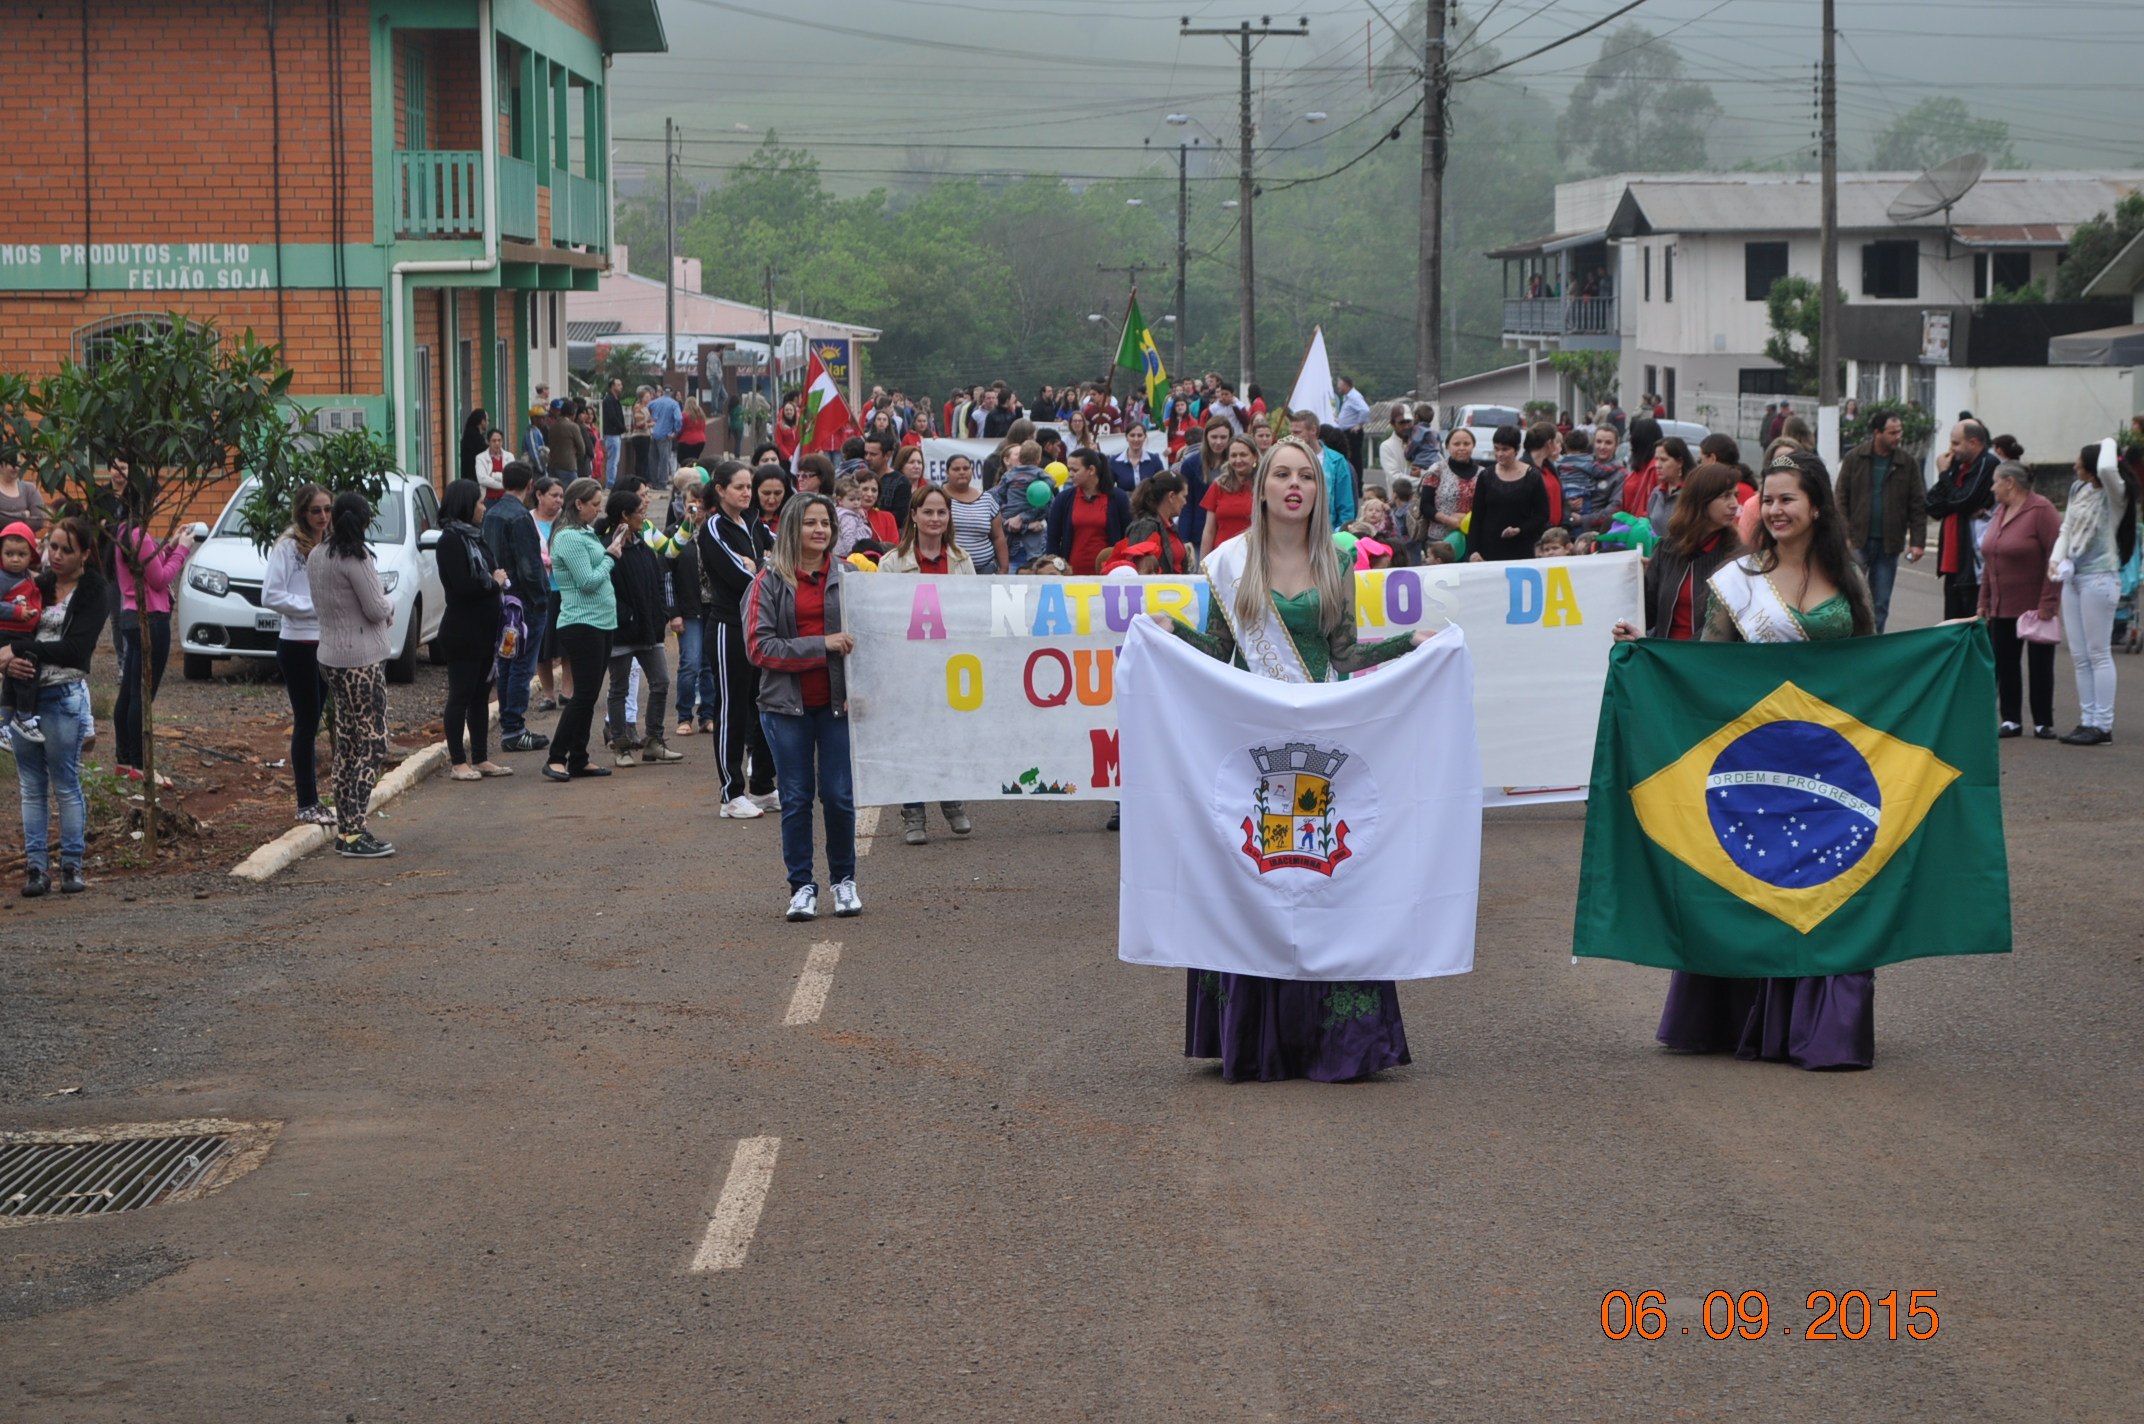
[1691,432]
[218,612]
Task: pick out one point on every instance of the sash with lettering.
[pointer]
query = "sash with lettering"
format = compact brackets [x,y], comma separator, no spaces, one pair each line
[1267,648]
[1298,830]
[1755,605]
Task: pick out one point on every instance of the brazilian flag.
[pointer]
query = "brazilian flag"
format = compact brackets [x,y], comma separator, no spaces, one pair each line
[1794,809]
[1138,353]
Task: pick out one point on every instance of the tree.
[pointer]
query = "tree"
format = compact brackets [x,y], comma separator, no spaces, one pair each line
[347,460]
[1635,110]
[629,363]
[1593,373]
[1937,129]
[1796,316]
[177,404]
[2096,243]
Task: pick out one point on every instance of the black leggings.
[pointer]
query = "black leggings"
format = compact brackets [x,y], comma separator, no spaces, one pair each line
[308,693]
[150,637]
[586,652]
[468,682]
[737,726]
[2039,672]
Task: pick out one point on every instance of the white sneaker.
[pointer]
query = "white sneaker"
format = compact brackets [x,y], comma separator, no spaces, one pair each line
[770,801]
[804,904]
[847,903]
[743,808]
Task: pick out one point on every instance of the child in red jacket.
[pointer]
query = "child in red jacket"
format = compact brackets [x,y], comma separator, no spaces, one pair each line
[21,605]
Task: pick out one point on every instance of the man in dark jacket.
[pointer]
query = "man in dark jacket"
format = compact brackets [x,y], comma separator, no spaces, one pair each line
[510,535]
[879,451]
[1964,490]
[614,426]
[1885,508]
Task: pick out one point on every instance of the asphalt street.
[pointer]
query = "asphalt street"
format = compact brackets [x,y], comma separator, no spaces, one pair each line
[945,1162]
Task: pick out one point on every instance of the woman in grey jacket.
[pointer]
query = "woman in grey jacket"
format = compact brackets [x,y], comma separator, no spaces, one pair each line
[354,615]
[793,634]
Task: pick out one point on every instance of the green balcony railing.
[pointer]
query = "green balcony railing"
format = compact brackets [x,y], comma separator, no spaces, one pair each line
[437,193]
[578,213]
[517,198]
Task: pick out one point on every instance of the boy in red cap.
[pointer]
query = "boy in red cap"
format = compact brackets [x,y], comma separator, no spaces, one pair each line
[21,605]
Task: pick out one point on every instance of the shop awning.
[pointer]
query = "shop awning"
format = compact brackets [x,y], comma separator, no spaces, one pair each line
[2108,346]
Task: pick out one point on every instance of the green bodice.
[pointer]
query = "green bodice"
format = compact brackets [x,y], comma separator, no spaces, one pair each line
[1833,618]
[1321,652]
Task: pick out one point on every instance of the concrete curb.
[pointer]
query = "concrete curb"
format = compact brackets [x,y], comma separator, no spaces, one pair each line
[301,841]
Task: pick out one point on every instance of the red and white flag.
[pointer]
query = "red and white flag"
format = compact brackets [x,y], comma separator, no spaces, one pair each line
[826,421]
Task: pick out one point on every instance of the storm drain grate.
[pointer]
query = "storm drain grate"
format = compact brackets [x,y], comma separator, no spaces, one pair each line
[95,1178]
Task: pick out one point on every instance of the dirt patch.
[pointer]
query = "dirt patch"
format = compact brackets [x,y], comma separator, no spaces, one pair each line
[225,744]
[46,1283]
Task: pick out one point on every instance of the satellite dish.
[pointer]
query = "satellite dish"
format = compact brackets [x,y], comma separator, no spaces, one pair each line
[1939,189]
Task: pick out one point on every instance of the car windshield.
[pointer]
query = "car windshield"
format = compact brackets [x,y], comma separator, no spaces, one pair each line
[1494,415]
[386,520]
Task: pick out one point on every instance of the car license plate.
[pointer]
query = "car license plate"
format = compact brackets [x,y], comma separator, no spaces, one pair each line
[268,622]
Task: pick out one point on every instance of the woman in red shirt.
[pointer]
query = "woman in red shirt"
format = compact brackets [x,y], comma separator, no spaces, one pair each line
[1228,498]
[793,633]
[1700,538]
[691,433]
[1089,515]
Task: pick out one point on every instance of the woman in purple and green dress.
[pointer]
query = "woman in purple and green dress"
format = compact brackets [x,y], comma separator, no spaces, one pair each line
[1283,607]
[1800,585]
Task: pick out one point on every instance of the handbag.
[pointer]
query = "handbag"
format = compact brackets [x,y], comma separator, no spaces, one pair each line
[2035,629]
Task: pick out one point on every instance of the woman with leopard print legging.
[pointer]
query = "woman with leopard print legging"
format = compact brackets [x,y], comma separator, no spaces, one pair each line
[354,619]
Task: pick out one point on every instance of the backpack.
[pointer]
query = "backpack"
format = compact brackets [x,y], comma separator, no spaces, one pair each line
[513,627]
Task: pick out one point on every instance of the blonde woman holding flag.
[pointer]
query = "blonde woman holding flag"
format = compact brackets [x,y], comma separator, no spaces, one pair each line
[1283,608]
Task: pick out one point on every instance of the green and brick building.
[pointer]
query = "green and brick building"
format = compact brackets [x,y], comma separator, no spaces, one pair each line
[400,191]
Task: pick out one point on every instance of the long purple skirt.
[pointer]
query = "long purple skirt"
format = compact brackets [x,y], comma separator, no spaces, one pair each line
[1268,1029]
[1827,1022]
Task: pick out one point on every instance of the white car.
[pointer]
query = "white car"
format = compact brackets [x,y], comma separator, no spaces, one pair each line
[218,611]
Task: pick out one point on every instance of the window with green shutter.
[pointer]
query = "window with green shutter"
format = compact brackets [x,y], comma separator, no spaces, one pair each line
[415,130]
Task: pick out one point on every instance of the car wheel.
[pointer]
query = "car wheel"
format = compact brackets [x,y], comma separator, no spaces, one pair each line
[404,668]
[198,668]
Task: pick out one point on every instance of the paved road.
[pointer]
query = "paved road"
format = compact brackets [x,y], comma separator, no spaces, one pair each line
[515,1076]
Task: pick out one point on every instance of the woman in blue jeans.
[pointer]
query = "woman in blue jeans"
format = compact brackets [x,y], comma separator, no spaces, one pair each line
[792,621]
[78,600]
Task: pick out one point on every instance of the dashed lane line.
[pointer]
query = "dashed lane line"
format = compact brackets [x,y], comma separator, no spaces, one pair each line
[818,977]
[866,828]
[736,1218]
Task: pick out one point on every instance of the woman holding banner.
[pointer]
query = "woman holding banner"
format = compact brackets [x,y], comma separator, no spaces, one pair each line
[1800,585]
[927,547]
[1282,607]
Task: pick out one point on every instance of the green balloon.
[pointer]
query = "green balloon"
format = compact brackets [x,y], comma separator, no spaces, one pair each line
[1039,493]
[1345,542]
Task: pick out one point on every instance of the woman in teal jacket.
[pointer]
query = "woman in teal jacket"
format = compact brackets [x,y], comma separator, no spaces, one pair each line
[587,616]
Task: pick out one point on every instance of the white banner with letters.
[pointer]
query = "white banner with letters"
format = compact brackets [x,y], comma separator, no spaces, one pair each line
[982,688]
[937,450]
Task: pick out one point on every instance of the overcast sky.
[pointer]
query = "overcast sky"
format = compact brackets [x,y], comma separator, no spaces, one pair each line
[1077,84]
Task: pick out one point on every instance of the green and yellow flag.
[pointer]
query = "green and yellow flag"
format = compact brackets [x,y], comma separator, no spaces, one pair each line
[1138,353]
[1796,809]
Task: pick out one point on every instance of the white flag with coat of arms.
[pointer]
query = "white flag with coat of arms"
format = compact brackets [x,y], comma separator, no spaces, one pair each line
[1316,831]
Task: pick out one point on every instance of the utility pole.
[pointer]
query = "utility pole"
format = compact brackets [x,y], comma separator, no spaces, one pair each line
[1243,34]
[1183,251]
[1827,342]
[669,252]
[1429,285]
[1131,271]
[774,398]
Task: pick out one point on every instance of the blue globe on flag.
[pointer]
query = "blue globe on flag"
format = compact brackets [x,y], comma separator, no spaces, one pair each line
[1793,804]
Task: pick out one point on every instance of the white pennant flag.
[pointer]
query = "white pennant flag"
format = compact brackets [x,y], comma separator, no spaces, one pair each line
[1314,387]
[1320,831]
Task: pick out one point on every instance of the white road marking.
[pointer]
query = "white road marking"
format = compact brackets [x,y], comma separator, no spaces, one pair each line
[736,1218]
[866,828]
[818,977]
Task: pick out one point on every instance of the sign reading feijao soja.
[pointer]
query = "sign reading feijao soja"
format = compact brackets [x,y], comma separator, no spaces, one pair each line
[139,266]
[981,688]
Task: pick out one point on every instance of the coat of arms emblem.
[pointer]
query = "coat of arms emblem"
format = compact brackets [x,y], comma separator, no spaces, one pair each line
[1296,825]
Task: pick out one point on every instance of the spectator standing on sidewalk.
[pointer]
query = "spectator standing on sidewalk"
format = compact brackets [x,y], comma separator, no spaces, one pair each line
[613,428]
[587,617]
[1352,416]
[1885,507]
[516,547]
[77,600]
[354,615]
[637,594]
[469,630]
[665,419]
[287,592]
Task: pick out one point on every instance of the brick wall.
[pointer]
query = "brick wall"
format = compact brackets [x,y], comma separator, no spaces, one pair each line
[179,161]
[577,13]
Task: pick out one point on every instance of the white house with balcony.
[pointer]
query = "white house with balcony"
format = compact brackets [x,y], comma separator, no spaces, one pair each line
[1671,270]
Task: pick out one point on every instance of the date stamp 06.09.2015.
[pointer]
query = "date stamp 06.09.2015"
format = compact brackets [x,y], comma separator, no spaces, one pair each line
[1747,1315]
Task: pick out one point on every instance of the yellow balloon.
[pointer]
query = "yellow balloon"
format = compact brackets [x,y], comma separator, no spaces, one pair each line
[863,563]
[1057,472]
[1466,523]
